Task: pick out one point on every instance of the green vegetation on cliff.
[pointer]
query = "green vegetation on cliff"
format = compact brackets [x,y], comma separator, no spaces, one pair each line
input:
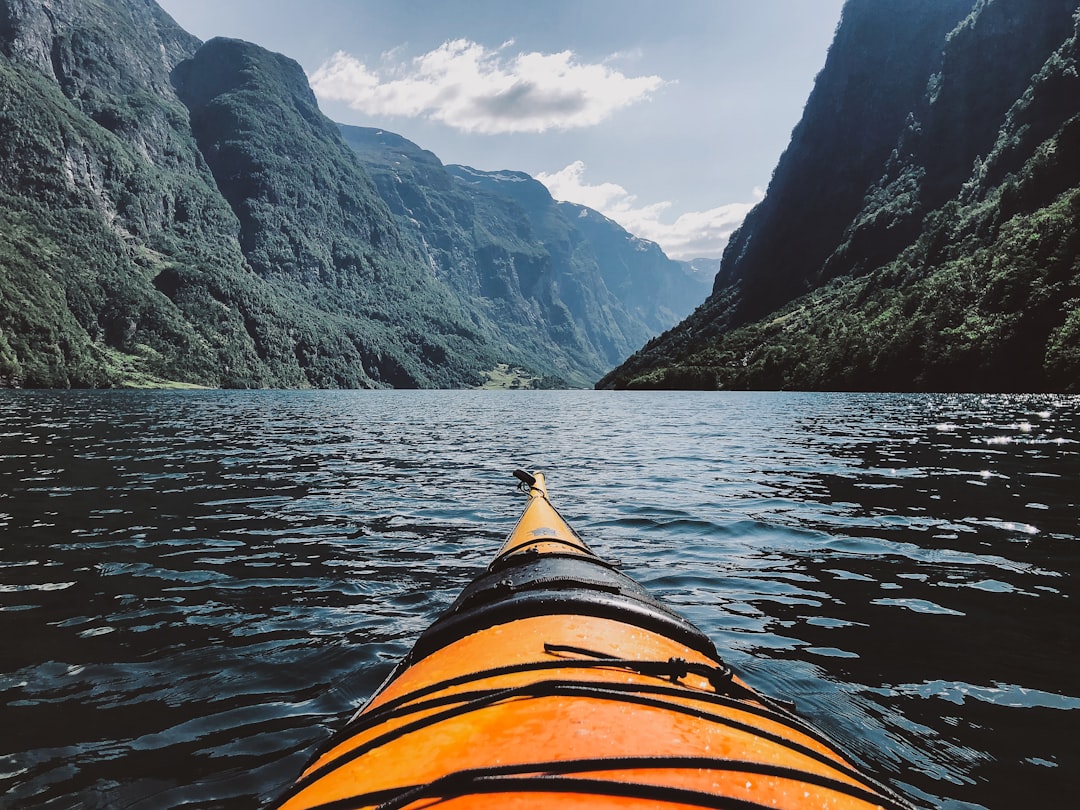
[959,265]
[950,321]
[173,211]
[572,292]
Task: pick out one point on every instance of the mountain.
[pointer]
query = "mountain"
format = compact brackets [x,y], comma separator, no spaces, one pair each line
[480,245]
[610,318]
[313,227]
[84,140]
[145,240]
[558,278]
[658,290]
[173,211]
[921,231]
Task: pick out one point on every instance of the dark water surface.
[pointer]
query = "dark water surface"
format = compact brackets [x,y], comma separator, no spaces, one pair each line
[196,588]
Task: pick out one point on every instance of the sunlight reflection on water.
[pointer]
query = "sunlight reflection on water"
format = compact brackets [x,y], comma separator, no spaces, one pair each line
[213,580]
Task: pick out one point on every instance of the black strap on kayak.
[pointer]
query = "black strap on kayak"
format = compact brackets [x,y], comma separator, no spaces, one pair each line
[613,691]
[733,695]
[652,695]
[564,776]
[662,669]
[555,777]
[719,675]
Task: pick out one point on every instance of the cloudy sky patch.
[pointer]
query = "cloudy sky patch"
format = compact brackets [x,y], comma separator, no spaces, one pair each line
[678,109]
[476,89]
[690,235]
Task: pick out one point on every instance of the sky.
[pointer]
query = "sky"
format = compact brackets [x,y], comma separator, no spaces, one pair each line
[667,116]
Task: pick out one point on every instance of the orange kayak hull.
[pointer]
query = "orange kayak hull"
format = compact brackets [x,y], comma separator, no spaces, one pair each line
[556,681]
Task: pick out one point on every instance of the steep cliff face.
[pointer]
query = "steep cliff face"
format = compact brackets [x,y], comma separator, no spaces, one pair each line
[986,64]
[112,62]
[920,231]
[306,209]
[95,168]
[248,251]
[656,290]
[575,284]
[179,211]
[480,245]
[312,225]
[561,280]
[875,75]
[95,48]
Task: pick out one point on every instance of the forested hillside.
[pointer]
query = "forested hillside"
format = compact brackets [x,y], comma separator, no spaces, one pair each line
[556,278]
[179,212]
[921,230]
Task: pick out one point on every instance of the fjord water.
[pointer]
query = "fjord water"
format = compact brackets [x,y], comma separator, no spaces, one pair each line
[196,588]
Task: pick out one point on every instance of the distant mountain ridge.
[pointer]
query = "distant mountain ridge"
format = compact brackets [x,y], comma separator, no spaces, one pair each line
[659,290]
[920,232]
[499,239]
[174,211]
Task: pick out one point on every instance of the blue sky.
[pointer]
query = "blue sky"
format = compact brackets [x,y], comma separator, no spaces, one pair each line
[669,117]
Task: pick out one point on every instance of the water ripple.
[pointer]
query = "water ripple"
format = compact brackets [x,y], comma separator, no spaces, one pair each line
[201,585]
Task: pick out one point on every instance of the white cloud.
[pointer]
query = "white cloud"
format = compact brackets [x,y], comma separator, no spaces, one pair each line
[475,89]
[693,235]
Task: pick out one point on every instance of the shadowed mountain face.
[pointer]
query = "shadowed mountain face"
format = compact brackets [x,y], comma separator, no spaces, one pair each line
[178,211]
[551,274]
[657,290]
[920,230]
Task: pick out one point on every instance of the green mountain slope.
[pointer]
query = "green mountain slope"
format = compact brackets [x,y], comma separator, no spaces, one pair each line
[94,170]
[942,257]
[657,290]
[178,212]
[591,315]
[314,229]
[573,291]
[127,256]
[482,246]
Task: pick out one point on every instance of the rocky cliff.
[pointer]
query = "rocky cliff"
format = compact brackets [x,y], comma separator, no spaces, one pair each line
[551,274]
[174,211]
[920,231]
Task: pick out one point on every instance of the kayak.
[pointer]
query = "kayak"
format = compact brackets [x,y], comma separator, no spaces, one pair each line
[554,680]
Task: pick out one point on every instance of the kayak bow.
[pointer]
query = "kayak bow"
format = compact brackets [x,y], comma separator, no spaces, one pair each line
[556,681]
